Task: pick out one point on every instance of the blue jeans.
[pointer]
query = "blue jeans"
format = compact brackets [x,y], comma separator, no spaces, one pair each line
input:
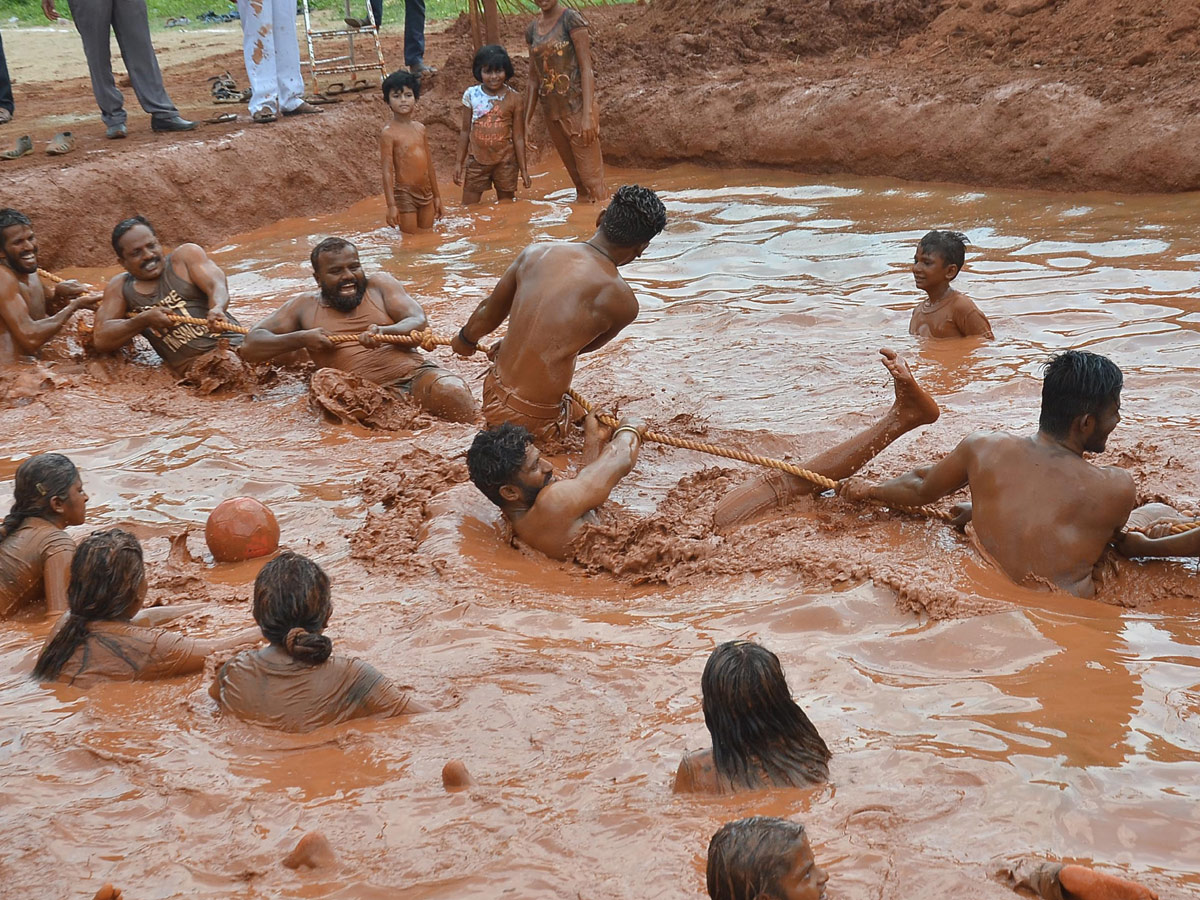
[414,28]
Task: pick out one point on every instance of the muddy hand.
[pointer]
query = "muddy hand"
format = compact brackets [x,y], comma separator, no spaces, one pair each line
[855,488]
[960,514]
[69,290]
[370,337]
[317,339]
[216,320]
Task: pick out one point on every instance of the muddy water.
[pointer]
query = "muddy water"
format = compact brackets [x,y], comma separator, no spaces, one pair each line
[1048,725]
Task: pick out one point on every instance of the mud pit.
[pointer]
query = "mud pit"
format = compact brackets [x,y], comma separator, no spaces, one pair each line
[1023,723]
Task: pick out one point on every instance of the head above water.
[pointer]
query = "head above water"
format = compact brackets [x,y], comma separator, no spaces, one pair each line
[339,273]
[1081,390]
[292,606]
[397,81]
[633,217]
[763,858]
[137,247]
[107,578]
[506,467]
[495,57]
[17,244]
[756,727]
[951,246]
[45,486]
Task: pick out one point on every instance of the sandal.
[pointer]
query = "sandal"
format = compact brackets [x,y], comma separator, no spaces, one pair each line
[221,119]
[225,90]
[263,117]
[5,116]
[23,147]
[339,87]
[303,109]
[61,144]
[320,99]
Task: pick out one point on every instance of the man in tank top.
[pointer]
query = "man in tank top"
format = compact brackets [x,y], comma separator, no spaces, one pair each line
[350,302]
[157,285]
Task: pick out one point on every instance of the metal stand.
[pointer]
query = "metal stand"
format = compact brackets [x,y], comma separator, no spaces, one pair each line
[336,65]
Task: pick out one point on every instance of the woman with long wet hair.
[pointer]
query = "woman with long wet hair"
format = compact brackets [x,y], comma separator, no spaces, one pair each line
[761,737]
[763,858]
[35,551]
[96,641]
[296,683]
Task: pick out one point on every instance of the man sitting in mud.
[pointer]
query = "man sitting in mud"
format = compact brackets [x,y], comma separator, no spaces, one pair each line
[156,286]
[561,299]
[550,515]
[349,302]
[1040,511]
[25,324]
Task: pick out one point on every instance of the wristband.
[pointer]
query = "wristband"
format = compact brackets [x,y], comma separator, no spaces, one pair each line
[466,340]
[631,430]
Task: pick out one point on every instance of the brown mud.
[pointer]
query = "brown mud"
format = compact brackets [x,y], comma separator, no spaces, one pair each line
[1057,94]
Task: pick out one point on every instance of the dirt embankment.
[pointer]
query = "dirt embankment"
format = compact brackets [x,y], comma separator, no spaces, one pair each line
[1061,94]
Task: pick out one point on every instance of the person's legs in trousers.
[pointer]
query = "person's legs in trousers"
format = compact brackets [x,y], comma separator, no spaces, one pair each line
[377,11]
[289,80]
[259,51]
[414,32]
[131,23]
[93,21]
[6,97]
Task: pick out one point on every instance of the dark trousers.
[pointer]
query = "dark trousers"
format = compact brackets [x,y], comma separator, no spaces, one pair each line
[414,28]
[6,101]
[128,20]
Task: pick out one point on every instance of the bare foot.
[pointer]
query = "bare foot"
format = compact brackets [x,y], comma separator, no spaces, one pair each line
[108,892]
[455,776]
[914,406]
[313,851]
[1088,884]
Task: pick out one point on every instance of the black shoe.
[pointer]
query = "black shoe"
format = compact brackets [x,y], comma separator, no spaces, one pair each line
[115,132]
[421,70]
[357,23]
[175,123]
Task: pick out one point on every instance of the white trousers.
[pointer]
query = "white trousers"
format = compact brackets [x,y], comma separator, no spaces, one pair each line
[272,53]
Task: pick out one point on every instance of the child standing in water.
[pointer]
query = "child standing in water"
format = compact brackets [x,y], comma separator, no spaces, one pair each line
[409,181]
[560,73]
[491,143]
[945,312]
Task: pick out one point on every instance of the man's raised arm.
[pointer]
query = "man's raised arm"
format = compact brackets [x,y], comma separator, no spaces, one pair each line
[113,331]
[920,486]
[567,501]
[206,275]
[404,311]
[283,332]
[490,313]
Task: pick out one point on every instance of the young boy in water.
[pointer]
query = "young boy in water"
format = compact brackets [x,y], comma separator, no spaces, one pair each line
[945,312]
[409,181]
[491,143]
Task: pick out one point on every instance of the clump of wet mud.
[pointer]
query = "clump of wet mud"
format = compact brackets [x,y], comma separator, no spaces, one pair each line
[404,487]
[184,578]
[353,400]
[221,369]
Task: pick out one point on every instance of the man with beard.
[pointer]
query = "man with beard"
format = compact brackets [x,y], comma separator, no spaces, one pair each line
[156,286]
[1040,511]
[348,302]
[24,325]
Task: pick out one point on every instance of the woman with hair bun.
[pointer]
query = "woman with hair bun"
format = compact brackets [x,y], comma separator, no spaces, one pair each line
[35,551]
[296,684]
[761,737]
[96,640]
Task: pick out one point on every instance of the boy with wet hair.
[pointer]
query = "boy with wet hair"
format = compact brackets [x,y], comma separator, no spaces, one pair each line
[410,186]
[491,143]
[760,858]
[945,312]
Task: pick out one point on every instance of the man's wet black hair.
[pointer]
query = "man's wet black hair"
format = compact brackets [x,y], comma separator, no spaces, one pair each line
[758,731]
[634,216]
[951,246]
[750,858]
[10,217]
[329,245]
[495,457]
[492,56]
[398,81]
[1077,383]
[124,227]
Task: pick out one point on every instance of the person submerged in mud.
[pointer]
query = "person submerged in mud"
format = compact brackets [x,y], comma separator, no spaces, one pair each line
[560,299]
[550,515]
[99,640]
[25,323]
[156,285]
[1039,510]
[761,737]
[350,302]
[295,683]
[763,858]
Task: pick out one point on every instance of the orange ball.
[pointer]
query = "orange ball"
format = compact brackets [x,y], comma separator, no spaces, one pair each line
[241,528]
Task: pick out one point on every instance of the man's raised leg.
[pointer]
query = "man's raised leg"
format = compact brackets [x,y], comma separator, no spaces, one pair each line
[913,407]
